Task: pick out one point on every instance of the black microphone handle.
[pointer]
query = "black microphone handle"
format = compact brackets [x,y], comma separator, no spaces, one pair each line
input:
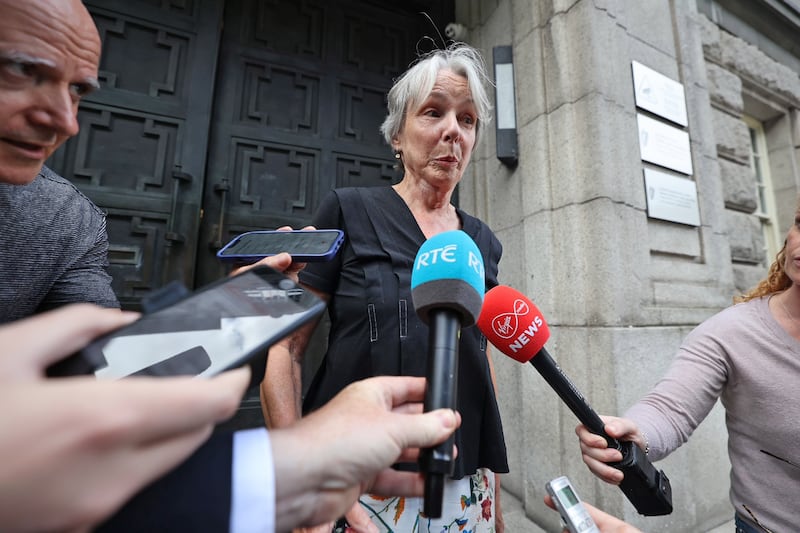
[647,488]
[569,393]
[444,330]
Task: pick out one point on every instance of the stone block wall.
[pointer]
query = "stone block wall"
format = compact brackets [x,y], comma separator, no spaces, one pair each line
[621,290]
[744,80]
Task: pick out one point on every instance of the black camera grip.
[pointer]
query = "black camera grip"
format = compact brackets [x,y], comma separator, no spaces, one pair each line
[647,488]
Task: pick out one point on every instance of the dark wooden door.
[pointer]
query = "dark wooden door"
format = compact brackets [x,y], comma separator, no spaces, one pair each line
[300,98]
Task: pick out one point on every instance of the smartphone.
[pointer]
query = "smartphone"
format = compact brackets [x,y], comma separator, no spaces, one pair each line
[574,515]
[304,245]
[224,325]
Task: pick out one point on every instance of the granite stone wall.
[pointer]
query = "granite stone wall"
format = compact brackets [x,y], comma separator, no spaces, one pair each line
[621,290]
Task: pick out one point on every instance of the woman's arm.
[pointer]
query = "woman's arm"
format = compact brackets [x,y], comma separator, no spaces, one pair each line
[282,387]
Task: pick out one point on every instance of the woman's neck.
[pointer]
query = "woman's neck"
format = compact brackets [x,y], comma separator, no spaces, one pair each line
[787,310]
[431,207]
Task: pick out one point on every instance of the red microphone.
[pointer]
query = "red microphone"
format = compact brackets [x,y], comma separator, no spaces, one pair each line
[517,328]
[513,324]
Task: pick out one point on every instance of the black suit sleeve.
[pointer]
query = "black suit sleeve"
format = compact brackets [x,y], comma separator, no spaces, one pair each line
[195,496]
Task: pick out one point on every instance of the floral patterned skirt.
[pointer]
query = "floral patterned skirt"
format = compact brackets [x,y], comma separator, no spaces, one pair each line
[467,506]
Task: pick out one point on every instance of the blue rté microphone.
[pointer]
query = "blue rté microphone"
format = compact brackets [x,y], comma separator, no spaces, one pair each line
[447,286]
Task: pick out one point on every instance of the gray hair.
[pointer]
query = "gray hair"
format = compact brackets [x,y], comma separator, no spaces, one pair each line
[414,85]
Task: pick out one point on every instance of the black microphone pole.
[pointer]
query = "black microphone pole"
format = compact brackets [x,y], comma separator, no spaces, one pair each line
[647,488]
[570,395]
[447,286]
[442,371]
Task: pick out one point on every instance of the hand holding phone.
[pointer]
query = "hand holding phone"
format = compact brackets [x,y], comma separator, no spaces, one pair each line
[304,246]
[224,325]
[574,515]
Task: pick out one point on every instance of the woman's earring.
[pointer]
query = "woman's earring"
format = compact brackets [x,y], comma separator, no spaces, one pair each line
[397,155]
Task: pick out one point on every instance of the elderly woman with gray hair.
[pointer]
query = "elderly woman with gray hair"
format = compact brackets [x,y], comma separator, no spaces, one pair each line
[436,112]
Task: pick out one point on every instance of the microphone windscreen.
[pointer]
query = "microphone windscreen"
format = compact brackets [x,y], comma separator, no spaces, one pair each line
[511,322]
[448,274]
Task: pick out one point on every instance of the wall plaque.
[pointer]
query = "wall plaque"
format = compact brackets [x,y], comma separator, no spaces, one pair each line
[664,145]
[659,94]
[671,198]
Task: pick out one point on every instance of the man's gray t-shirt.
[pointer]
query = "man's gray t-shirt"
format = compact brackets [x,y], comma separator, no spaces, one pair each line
[53,248]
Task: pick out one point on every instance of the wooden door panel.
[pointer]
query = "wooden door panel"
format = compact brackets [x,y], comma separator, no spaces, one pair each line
[126,151]
[135,250]
[278,97]
[354,170]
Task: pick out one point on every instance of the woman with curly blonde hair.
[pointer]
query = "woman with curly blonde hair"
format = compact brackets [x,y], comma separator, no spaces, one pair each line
[748,356]
[776,280]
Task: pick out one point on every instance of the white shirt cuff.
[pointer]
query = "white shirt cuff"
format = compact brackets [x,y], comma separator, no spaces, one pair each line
[253,483]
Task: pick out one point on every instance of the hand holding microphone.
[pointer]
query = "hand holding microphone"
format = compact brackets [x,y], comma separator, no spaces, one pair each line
[447,286]
[517,328]
[598,456]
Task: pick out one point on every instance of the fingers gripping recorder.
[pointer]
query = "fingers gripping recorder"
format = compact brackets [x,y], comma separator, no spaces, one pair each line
[447,286]
[516,327]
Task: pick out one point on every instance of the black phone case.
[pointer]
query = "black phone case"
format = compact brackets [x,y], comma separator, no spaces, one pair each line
[279,293]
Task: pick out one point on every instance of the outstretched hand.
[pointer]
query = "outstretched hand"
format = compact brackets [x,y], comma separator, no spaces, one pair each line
[82,447]
[604,521]
[346,448]
[596,452]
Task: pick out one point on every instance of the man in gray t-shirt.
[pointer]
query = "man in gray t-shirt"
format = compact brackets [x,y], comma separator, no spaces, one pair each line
[53,241]
[54,248]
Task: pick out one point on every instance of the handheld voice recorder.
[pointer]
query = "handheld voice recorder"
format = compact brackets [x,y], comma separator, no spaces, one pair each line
[573,513]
